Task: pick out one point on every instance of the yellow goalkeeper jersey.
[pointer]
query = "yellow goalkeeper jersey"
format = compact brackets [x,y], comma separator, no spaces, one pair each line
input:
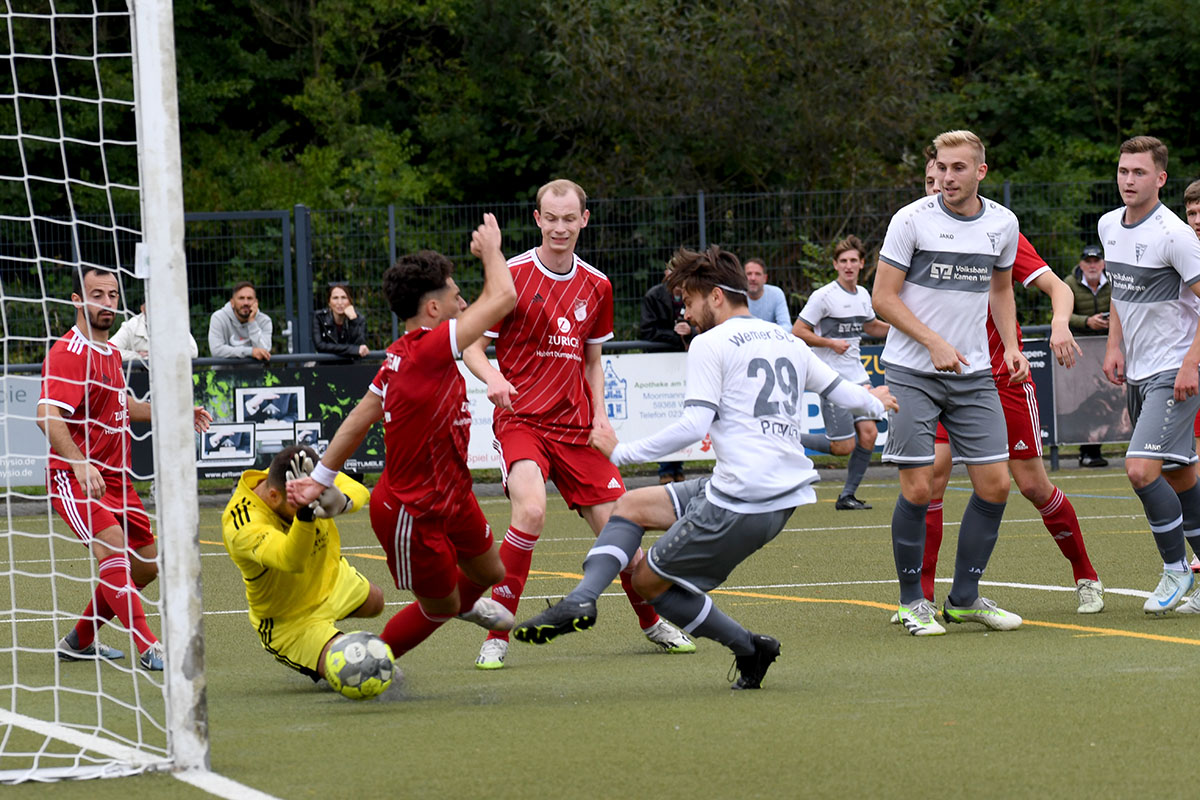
[289,568]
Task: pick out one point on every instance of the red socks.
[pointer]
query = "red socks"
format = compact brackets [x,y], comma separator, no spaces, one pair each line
[1058,515]
[412,625]
[516,552]
[646,614]
[933,543]
[115,595]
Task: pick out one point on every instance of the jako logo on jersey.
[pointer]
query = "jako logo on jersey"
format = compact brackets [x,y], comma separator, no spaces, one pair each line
[564,325]
[945,235]
[580,310]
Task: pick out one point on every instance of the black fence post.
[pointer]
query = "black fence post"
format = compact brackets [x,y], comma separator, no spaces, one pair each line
[1007,194]
[700,221]
[302,338]
[392,260]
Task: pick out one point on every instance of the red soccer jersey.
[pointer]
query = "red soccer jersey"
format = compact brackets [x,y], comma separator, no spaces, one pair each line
[541,344]
[426,420]
[85,380]
[1027,266]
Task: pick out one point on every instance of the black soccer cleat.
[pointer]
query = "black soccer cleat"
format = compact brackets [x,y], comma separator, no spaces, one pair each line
[849,502]
[753,668]
[562,617]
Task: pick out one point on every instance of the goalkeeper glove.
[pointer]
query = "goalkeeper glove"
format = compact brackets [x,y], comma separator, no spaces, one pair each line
[301,466]
[332,502]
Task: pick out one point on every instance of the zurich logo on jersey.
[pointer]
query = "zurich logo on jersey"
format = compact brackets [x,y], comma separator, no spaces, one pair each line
[564,325]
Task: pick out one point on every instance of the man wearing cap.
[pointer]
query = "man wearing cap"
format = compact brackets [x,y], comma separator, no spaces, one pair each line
[1089,282]
[1090,285]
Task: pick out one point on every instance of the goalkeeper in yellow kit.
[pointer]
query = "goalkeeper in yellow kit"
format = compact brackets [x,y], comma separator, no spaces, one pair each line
[297,582]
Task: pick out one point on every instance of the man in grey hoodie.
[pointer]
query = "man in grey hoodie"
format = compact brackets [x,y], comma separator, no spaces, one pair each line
[238,329]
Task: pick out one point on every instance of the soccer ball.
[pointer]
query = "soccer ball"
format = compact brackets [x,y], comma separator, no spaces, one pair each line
[359,665]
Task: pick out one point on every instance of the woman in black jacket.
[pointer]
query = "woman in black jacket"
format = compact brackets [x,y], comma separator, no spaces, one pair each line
[338,329]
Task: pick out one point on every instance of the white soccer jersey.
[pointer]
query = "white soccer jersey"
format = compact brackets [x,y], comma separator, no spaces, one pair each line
[948,261]
[753,374]
[1151,265]
[835,313]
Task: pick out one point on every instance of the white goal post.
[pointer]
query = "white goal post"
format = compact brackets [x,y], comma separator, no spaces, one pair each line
[94,718]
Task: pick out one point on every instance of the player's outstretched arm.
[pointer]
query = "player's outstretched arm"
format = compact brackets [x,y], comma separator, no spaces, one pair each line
[346,440]
[885,298]
[1062,300]
[499,295]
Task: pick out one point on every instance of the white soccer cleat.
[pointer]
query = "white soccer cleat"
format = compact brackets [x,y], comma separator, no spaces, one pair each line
[669,638]
[920,618]
[487,613]
[1090,595]
[983,611]
[491,655]
[1172,586]
[1189,606]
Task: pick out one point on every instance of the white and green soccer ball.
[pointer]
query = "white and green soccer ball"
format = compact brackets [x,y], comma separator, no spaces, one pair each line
[359,665]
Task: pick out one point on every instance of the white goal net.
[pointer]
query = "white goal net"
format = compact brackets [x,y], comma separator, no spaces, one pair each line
[90,177]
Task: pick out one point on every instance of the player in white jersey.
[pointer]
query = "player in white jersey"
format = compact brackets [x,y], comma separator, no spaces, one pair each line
[746,380]
[1153,261]
[832,323]
[942,263]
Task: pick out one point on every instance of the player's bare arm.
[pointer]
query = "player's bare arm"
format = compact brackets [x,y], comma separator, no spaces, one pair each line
[51,421]
[885,298]
[877,328]
[805,333]
[499,295]
[884,395]
[349,436]
[499,391]
[1062,301]
[1114,357]
[593,372]
[1187,381]
[1003,305]
[603,439]
[139,411]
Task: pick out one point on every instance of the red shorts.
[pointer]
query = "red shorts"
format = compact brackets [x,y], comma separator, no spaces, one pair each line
[120,506]
[423,551]
[583,476]
[1196,427]
[1020,406]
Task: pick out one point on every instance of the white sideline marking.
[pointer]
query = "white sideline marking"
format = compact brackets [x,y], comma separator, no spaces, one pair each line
[215,783]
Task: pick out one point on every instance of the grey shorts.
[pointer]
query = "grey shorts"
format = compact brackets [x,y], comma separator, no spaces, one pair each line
[706,542]
[968,407]
[1162,426]
[839,420]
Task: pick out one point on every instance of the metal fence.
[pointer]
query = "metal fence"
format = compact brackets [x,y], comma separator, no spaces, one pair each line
[294,255]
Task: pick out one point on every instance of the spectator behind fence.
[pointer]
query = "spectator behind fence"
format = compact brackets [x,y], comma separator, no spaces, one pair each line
[338,329]
[1093,293]
[239,329]
[133,338]
[766,301]
[663,321]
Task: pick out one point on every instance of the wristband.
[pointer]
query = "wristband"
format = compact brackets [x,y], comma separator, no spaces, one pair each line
[323,474]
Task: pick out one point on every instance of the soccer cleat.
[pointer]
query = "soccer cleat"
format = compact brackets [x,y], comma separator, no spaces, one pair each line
[851,503]
[93,651]
[1195,564]
[1189,606]
[1090,595]
[920,618]
[753,668]
[983,611]
[491,655]
[669,638]
[1171,588]
[152,658]
[487,613]
[565,616]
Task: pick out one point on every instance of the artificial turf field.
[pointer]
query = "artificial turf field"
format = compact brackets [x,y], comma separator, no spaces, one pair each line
[1068,704]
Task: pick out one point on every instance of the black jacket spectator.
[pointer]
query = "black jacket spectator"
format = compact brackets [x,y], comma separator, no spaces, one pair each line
[339,340]
[661,311]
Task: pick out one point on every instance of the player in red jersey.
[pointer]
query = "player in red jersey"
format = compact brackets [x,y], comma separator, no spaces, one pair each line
[549,395]
[423,510]
[1024,434]
[85,411]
